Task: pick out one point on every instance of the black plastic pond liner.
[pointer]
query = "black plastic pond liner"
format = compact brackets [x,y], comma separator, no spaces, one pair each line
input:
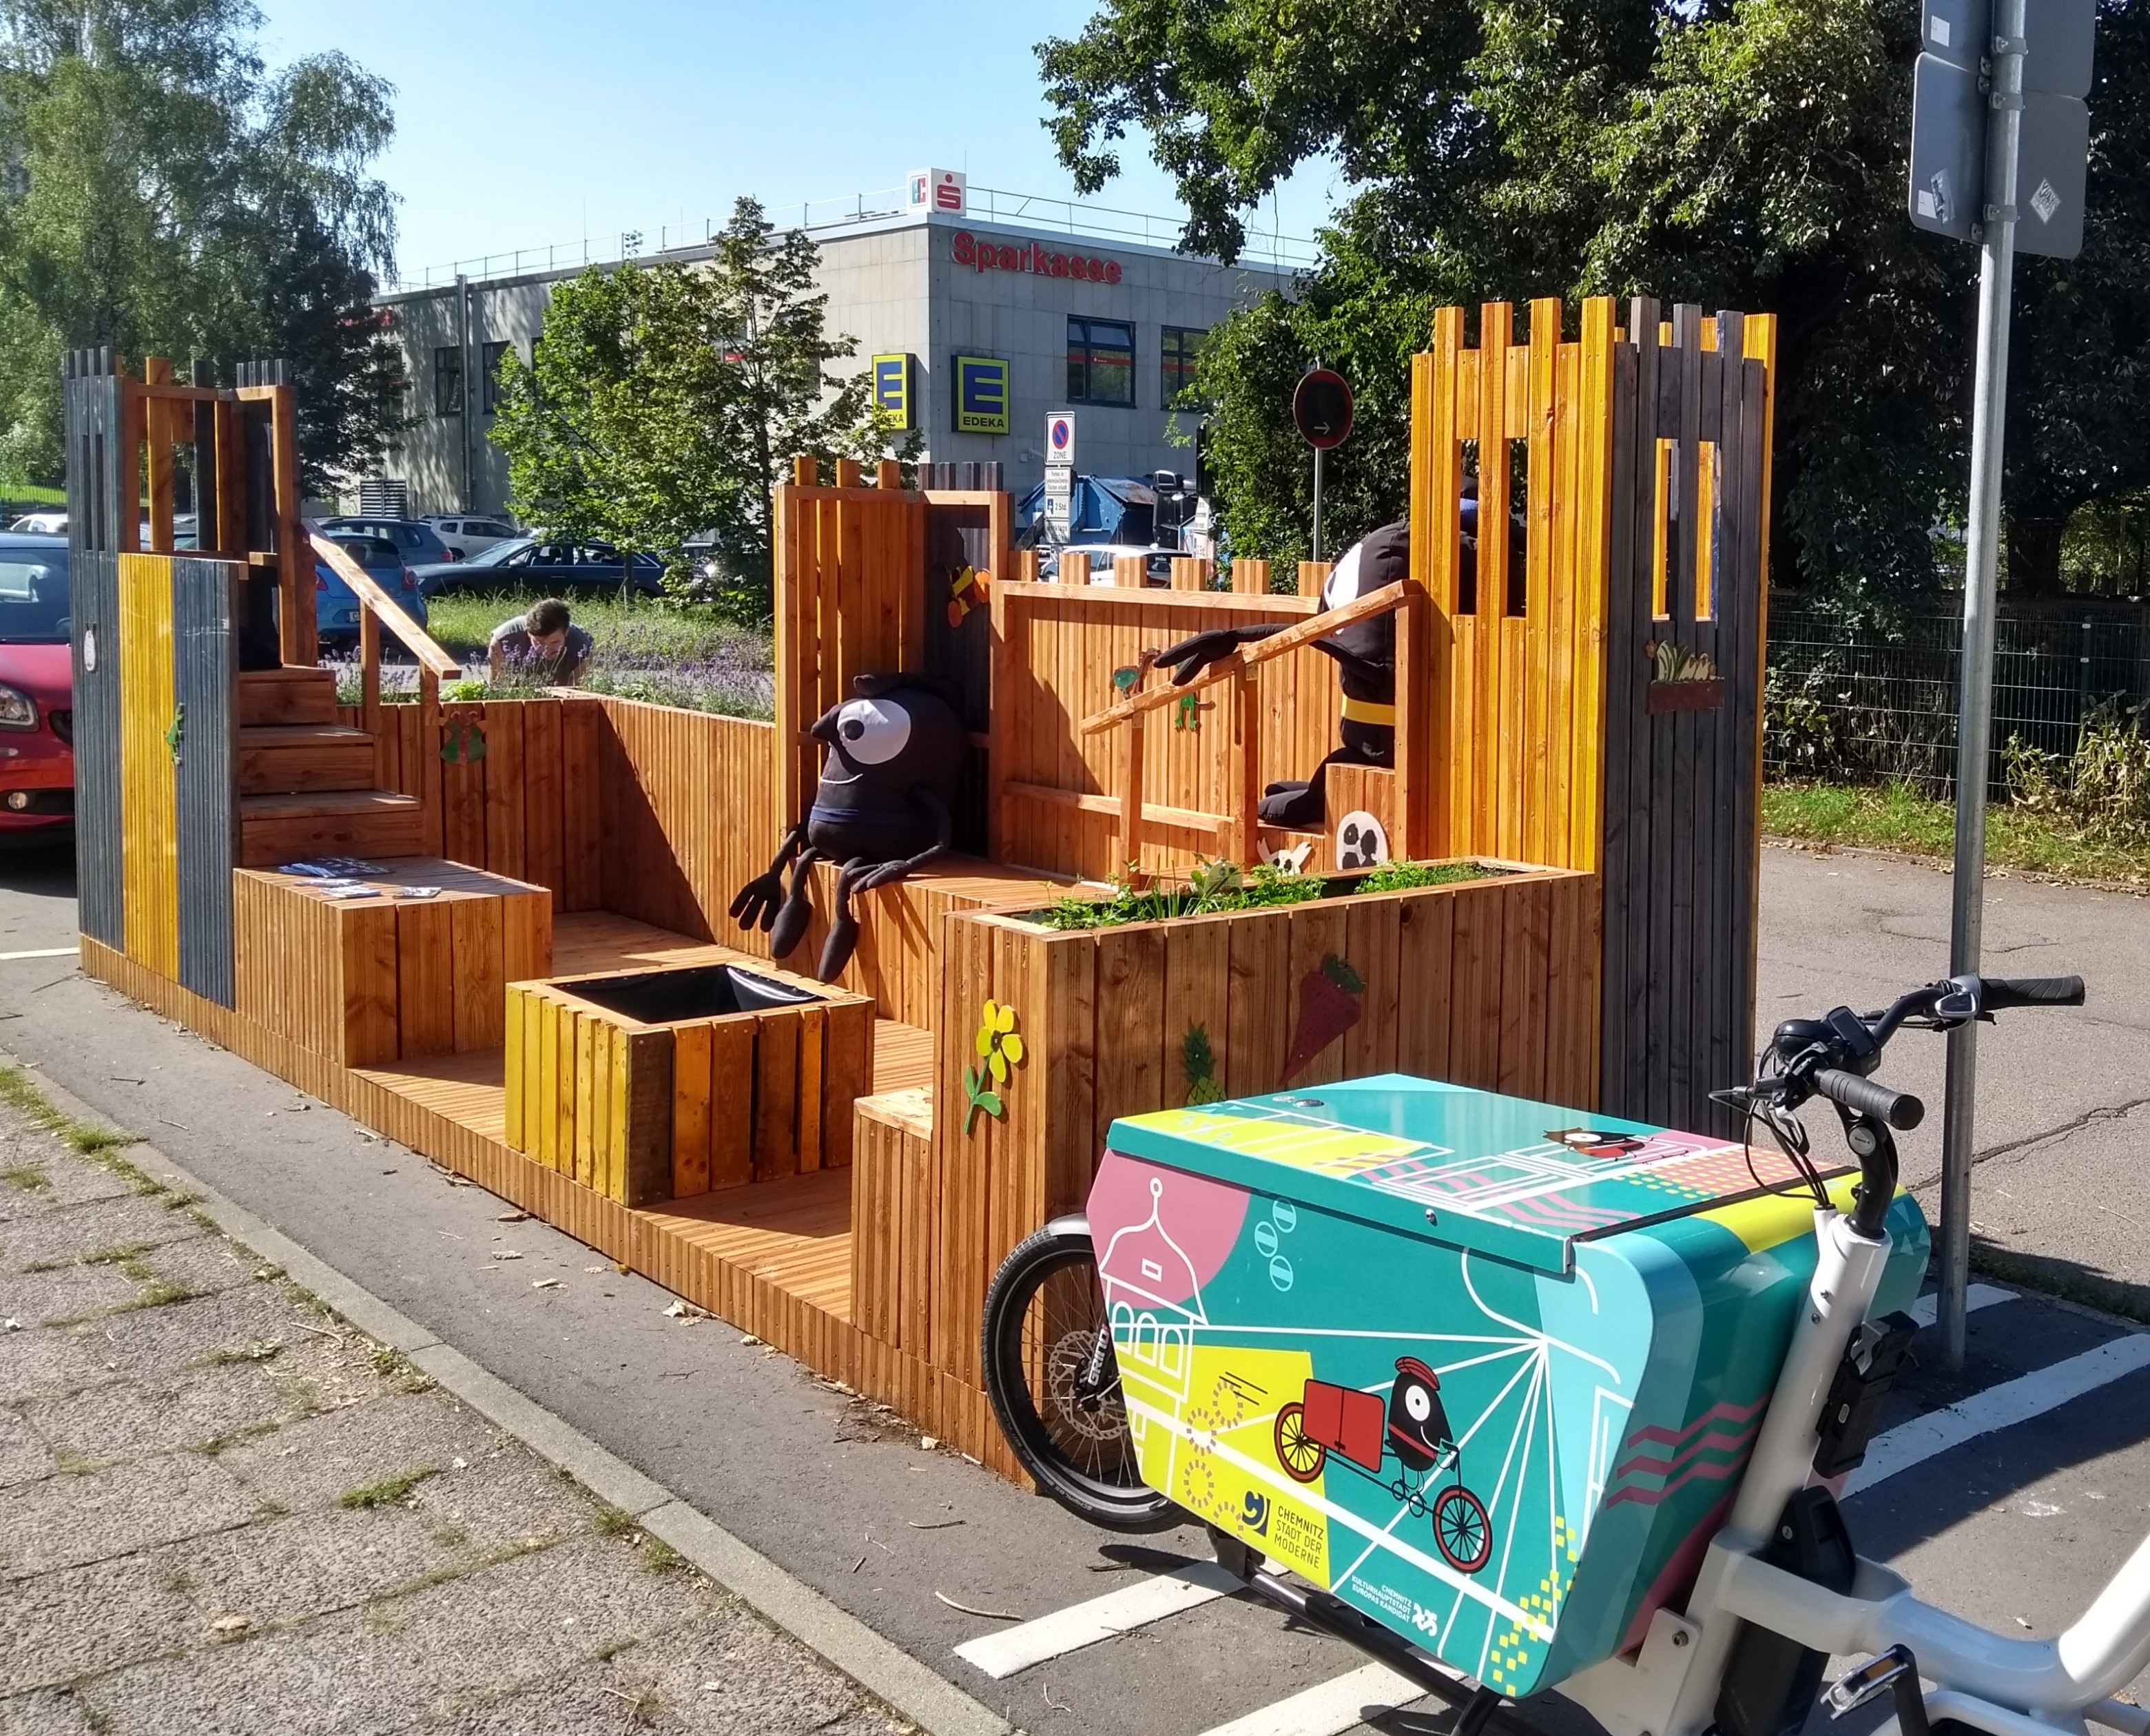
[701,991]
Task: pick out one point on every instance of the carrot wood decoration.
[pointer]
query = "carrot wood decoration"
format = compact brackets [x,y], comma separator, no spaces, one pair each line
[1328,1006]
[1200,1066]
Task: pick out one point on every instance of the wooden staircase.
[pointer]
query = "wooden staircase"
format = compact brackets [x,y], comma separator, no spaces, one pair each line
[305,781]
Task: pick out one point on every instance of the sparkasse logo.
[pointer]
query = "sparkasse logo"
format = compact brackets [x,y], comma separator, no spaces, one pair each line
[984,254]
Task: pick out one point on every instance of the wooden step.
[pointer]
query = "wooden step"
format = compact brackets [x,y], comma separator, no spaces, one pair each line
[283,758]
[374,824]
[290,695]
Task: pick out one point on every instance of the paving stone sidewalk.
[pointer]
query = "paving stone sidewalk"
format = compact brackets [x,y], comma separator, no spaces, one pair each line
[222,1510]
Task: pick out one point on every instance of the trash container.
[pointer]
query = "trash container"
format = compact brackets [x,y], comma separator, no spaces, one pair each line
[1486,1368]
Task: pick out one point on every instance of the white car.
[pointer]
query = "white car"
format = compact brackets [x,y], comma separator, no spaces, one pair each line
[40,524]
[1067,565]
[467,535]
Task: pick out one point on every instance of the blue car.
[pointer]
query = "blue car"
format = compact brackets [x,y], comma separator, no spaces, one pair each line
[337,606]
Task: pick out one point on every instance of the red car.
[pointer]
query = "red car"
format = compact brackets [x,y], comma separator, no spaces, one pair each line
[37,689]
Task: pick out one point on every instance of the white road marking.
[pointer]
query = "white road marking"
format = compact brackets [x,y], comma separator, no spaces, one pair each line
[1977,1296]
[1068,1630]
[44,952]
[1329,1709]
[2000,1407]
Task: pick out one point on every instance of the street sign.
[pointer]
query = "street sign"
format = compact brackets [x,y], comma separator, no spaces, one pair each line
[2059,36]
[1060,439]
[1321,408]
[1951,104]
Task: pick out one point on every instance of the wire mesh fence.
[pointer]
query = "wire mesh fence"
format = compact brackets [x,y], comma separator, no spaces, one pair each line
[1862,708]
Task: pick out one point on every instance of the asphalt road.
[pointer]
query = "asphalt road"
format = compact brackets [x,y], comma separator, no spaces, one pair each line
[864,1513]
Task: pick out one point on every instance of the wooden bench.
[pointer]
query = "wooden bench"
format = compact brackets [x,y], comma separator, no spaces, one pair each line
[370,981]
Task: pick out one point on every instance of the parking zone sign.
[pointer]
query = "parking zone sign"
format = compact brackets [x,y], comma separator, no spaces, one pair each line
[1060,439]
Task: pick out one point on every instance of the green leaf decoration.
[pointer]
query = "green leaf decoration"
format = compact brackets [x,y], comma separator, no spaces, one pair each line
[177,733]
[1339,972]
[1124,680]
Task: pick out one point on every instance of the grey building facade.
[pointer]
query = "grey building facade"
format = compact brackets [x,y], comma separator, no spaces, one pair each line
[981,327]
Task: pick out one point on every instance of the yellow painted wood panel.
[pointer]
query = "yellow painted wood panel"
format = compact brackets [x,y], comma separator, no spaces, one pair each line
[149,809]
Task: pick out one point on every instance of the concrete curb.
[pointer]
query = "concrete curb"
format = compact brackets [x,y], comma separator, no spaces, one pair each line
[884,1670]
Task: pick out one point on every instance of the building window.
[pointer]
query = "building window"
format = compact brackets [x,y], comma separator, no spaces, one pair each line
[1177,355]
[1100,362]
[448,381]
[490,359]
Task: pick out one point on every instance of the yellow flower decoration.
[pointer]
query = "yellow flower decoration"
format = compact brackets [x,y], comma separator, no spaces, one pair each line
[999,1047]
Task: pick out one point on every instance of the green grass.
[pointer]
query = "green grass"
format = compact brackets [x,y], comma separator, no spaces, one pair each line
[28,497]
[1896,817]
[16,1088]
[680,633]
[388,1491]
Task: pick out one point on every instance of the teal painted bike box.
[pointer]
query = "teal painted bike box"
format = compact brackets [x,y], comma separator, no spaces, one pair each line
[1487,1369]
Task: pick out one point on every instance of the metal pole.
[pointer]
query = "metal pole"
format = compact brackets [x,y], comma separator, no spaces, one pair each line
[1317,503]
[470,402]
[1996,269]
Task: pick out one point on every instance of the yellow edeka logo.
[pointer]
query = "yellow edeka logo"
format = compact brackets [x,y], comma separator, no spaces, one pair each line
[891,387]
[981,395]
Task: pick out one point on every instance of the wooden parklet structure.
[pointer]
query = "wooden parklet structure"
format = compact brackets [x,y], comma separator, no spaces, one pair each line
[571,1020]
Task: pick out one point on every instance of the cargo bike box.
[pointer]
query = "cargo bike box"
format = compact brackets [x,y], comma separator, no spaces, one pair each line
[1485,1370]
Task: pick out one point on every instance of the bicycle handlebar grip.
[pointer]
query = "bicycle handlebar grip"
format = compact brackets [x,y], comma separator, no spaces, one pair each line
[2003,992]
[1863,1096]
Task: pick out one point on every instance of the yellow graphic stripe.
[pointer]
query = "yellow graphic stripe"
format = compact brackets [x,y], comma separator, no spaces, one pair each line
[149,780]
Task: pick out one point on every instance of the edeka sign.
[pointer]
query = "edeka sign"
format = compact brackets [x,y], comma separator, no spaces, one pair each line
[981,395]
[891,388]
[982,255]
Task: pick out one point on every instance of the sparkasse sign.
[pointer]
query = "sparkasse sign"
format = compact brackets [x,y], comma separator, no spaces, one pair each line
[984,254]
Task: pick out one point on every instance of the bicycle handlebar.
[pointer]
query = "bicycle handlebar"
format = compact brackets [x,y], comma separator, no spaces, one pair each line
[1899,1109]
[2001,993]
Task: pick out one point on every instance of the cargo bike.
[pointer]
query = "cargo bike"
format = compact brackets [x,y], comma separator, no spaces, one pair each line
[1659,1353]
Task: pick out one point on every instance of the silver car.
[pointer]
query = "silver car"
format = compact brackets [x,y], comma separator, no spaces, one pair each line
[466,534]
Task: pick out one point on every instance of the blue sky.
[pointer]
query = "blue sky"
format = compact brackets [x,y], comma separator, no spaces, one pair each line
[526,124]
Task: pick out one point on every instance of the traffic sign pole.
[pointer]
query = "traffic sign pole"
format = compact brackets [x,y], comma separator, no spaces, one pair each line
[1317,502]
[1996,271]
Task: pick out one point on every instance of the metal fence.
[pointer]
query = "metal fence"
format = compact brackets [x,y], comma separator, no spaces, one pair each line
[1861,708]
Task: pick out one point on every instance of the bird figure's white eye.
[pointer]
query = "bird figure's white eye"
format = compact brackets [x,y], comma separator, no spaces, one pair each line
[1419,1402]
[872,731]
[1342,585]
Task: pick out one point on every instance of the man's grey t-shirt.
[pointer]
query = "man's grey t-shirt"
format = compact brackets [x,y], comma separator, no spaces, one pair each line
[512,638]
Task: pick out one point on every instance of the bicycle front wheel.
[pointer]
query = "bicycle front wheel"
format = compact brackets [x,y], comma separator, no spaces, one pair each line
[1054,1384]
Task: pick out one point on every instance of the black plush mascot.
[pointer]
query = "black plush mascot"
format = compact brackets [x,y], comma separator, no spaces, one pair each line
[896,754]
[1365,653]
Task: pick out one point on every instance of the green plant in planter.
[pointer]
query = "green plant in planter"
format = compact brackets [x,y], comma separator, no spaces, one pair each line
[1214,888]
[1405,876]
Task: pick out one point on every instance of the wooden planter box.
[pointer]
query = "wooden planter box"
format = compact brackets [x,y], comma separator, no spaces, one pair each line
[643,1109]
[372,980]
[1490,982]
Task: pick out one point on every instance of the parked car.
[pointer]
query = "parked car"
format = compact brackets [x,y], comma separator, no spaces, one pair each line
[419,543]
[40,524]
[37,699]
[1092,562]
[336,605]
[466,536]
[565,569]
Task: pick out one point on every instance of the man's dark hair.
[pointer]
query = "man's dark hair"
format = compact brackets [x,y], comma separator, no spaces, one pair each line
[545,618]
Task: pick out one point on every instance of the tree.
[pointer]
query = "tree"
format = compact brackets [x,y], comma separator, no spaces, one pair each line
[170,194]
[1735,152]
[665,402]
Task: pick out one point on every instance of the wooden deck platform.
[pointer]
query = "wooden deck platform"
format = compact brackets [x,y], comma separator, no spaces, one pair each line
[794,1234]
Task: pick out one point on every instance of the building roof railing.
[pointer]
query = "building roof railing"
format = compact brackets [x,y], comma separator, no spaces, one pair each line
[828,218]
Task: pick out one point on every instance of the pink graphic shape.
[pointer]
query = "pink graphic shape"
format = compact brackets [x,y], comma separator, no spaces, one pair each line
[1197,1225]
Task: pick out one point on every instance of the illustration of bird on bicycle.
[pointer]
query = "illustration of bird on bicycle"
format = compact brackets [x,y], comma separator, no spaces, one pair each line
[1413,1425]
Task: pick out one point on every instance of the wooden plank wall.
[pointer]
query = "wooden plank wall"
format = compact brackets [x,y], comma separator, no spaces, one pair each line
[97,482]
[206,599]
[849,600]
[1491,983]
[1515,668]
[1689,533]
[1638,461]
[651,812]
[1059,646]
